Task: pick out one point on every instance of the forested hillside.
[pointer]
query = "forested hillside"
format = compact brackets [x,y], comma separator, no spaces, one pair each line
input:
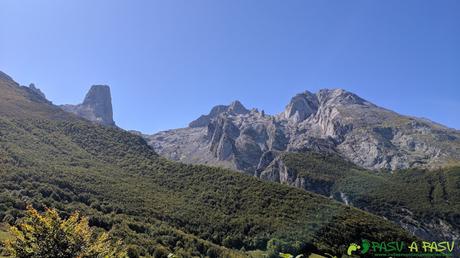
[52,159]
[423,201]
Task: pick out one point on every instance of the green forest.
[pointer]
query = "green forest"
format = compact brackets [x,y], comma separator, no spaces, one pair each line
[421,194]
[159,207]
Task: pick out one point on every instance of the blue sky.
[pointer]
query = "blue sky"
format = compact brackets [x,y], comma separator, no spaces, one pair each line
[170,61]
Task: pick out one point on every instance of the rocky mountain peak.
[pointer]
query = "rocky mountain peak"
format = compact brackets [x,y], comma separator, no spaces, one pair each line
[36,90]
[235,108]
[96,107]
[219,109]
[301,107]
[339,97]
[307,104]
[98,95]
[36,94]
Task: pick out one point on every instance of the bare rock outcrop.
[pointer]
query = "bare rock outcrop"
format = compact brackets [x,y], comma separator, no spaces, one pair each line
[96,107]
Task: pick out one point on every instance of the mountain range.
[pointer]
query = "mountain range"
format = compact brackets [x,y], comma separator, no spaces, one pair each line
[330,121]
[364,172]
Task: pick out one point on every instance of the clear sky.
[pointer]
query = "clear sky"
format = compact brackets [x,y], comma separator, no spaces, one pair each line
[170,61]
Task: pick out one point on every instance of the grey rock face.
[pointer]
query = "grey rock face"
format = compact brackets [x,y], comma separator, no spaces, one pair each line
[301,107]
[96,107]
[331,121]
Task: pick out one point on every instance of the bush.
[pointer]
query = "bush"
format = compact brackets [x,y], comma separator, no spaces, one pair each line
[213,252]
[160,252]
[47,235]
[133,251]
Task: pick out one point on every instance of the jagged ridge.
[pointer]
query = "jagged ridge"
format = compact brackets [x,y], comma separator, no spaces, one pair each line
[334,121]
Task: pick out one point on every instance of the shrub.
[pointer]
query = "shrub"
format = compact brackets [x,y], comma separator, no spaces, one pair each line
[47,235]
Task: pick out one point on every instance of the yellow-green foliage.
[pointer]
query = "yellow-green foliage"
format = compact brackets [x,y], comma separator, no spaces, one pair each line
[48,235]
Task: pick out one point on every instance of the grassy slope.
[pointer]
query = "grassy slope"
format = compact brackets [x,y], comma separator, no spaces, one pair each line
[49,158]
[427,194]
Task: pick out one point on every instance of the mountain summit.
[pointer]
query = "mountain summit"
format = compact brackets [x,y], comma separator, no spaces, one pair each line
[96,107]
[235,108]
[301,106]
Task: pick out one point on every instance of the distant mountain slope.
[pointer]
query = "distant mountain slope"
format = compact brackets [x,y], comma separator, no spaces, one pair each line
[330,121]
[51,158]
